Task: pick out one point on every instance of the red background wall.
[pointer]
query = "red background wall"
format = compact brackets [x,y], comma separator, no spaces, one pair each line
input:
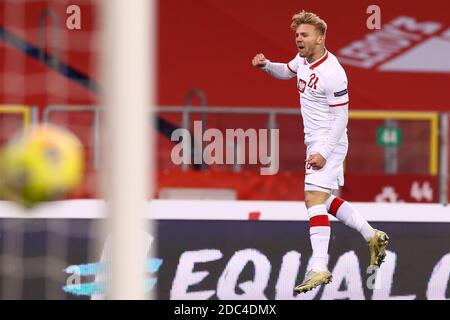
[208,44]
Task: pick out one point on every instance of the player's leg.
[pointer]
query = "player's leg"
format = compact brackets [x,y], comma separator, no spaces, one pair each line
[319,230]
[347,213]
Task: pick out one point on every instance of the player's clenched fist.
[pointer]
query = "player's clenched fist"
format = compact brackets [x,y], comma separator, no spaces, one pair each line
[259,60]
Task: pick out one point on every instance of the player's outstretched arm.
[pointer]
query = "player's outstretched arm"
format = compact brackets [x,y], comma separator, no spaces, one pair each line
[277,70]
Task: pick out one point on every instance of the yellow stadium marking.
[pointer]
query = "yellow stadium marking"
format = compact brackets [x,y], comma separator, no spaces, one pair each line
[20,109]
[433,117]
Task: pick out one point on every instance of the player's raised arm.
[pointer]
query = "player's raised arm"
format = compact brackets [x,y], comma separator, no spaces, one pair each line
[259,61]
[280,71]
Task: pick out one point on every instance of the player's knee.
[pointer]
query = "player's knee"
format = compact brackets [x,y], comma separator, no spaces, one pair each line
[313,198]
[307,200]
[310,199]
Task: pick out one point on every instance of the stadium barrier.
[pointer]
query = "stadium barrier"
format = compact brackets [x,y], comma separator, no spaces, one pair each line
[249,250]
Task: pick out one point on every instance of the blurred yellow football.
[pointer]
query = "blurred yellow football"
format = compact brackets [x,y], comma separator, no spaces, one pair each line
[45,163]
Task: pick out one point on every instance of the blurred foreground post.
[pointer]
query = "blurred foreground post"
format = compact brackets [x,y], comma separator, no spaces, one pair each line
[128,36]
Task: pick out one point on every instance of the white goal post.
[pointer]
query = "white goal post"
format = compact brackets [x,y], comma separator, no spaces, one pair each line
[128,44]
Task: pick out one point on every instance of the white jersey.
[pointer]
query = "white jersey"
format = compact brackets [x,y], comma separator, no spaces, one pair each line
[322,85]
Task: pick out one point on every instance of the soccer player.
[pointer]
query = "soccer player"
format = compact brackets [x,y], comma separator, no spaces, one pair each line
[322,84]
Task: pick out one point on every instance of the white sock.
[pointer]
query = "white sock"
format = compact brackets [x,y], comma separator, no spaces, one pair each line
[346,213]
[319,231]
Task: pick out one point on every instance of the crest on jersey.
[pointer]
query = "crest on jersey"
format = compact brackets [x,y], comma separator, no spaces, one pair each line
[301,85]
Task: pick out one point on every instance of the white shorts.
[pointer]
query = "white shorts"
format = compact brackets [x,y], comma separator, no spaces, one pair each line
[331,176]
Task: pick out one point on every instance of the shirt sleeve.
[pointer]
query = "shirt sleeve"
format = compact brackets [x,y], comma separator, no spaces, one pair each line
[293,65]
[336,89]
[338,127]
[283,71]
[337,98]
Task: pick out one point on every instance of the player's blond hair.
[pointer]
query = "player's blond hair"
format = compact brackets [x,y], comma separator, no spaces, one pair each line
[309,18]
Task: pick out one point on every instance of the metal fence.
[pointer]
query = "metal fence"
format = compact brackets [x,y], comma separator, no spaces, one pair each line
[437,140]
